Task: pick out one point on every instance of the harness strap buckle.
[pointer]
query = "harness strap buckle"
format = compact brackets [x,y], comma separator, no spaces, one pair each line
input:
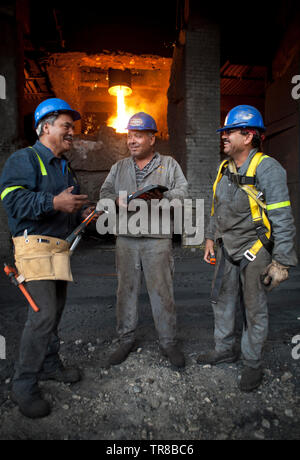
[260,196]
[236,178]
[249,255]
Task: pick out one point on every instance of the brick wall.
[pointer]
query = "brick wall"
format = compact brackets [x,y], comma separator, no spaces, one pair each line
[194,108]
[202,80]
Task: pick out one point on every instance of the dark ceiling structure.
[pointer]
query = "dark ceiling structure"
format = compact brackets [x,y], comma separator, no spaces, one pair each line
[249,36]
[97,26]
[250,33]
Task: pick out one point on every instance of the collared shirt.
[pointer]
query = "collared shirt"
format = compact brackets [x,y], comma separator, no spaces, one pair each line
[30,179]
[140,174]
[122,178]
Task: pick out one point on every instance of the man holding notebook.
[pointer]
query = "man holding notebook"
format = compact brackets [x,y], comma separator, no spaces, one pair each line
[143,250]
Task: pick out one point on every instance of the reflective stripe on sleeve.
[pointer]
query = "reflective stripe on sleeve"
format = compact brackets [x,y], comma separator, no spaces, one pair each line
[8,190]
[281,204]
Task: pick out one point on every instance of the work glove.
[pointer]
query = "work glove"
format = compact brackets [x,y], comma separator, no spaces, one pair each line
[274,274]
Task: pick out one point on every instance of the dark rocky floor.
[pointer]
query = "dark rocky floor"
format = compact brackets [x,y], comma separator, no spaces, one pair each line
[144,398]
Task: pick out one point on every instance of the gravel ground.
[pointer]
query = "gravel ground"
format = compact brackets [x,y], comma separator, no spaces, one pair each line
[144,398]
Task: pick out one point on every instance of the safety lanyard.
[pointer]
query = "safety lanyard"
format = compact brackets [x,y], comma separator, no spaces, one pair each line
[259,218]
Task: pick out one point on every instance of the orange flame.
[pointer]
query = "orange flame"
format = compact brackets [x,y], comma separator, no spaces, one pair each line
[120,121]
[125,110]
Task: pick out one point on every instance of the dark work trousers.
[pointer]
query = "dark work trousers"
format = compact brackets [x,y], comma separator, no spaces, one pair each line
[256,308]
[154,256]
[40,344]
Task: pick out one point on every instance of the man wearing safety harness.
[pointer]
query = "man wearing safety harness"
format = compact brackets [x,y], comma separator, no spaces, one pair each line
[151,253]
[252,224]
[40,196]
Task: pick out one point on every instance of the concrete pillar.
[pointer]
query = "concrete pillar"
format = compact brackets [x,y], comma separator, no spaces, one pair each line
[194,106]
[11,92]
[202,83]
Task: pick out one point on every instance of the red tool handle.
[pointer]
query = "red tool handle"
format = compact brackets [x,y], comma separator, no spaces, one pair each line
[81,226]
[12,273]
[29,298]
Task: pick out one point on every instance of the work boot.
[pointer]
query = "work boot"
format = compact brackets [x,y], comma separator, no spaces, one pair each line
[61,374]
[176,357]
[251,378]
[31,405]
[120,354]
[217,357]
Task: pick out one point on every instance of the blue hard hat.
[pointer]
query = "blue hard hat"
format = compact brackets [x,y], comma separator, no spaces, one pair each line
[53,105]
[141,121]
[243,116]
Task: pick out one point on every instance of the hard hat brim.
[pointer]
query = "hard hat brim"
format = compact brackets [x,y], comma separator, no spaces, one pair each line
[74,114]
[239,125]
[135,128]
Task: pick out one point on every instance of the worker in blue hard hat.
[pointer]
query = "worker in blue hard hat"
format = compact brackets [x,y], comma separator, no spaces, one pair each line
[53,106]
[252,225]
[141,251]
[141,121]
[41,197]
[243,116]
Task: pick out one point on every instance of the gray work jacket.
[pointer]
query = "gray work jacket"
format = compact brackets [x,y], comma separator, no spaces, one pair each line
[232,219]
[165,171]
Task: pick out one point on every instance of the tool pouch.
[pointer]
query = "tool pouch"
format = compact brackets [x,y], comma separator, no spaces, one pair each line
[40,257]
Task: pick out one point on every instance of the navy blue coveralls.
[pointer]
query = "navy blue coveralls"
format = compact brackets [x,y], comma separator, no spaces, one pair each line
[30,179]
